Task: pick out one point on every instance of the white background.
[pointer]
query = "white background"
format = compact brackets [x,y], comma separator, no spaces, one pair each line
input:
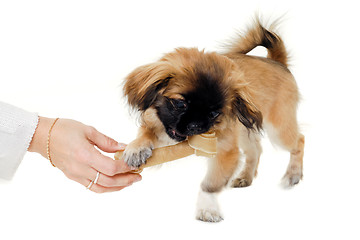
[68,58]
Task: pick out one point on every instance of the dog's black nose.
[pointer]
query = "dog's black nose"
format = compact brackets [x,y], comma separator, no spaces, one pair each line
[195,127]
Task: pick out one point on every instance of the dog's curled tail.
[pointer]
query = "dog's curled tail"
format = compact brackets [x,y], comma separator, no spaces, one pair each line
[257,35]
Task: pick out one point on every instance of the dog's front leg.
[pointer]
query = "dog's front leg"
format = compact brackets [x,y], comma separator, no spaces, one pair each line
[220,170]
[139,150]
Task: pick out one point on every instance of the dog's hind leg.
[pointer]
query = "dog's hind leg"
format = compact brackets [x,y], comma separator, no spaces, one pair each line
[284,131]
[294,172]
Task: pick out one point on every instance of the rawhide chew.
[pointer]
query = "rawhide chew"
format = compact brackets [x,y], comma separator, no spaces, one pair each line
[201,145]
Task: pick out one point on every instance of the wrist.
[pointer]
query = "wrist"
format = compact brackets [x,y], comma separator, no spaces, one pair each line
[39,141]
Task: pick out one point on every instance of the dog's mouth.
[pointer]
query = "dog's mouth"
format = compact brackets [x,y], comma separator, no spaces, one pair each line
[175,135]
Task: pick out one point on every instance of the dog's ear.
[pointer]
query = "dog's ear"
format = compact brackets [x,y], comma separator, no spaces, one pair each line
[247,113]
[143,85]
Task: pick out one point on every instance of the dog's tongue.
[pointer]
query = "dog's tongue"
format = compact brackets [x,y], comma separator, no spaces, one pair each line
[173,132]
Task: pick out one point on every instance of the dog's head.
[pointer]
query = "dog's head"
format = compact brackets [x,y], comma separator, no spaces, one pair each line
[192,92]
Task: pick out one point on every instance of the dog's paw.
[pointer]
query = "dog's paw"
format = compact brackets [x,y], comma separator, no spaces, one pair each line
[291,179]
[208,208]
[137,156]
[209,215]
[241,182]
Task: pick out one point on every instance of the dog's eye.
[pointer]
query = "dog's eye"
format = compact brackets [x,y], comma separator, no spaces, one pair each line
[179,104]
[214,114]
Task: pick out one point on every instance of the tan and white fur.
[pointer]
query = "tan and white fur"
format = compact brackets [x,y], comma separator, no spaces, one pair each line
[258,93]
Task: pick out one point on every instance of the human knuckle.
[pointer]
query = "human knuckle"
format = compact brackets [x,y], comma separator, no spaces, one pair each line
[109,182]
[91,131]
[110,142]
[112,169]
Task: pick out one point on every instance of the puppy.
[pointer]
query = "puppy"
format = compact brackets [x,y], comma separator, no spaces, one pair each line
[189,92]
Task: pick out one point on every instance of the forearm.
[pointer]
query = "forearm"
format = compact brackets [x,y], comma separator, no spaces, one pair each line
[16,131]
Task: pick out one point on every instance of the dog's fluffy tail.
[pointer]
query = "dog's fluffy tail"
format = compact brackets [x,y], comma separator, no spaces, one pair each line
[257,35]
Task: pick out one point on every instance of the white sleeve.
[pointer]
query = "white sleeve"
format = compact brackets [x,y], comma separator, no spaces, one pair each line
[17,128]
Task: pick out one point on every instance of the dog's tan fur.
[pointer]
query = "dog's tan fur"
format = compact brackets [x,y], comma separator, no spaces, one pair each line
[266,85]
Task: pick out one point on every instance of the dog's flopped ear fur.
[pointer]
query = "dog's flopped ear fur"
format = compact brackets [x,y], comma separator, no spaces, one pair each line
[247,114]
[143,85]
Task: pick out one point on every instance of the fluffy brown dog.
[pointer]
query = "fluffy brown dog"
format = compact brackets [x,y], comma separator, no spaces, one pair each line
[190,92]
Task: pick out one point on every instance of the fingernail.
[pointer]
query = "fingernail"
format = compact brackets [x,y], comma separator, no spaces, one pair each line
[138,179]
[122,146]
[135,169]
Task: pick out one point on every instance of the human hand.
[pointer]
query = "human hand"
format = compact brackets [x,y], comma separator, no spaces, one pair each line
[72,150]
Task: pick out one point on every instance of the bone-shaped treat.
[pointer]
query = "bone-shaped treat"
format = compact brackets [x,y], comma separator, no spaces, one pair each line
[200,145]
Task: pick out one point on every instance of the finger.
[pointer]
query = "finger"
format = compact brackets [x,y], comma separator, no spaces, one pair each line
[104,142]
[99,189]
[105,164]
[119,180]
[95,187]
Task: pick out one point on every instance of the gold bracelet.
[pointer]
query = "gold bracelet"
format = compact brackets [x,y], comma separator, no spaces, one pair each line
[48,142]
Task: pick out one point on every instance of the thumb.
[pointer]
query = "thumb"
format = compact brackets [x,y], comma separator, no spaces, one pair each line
[104,142]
